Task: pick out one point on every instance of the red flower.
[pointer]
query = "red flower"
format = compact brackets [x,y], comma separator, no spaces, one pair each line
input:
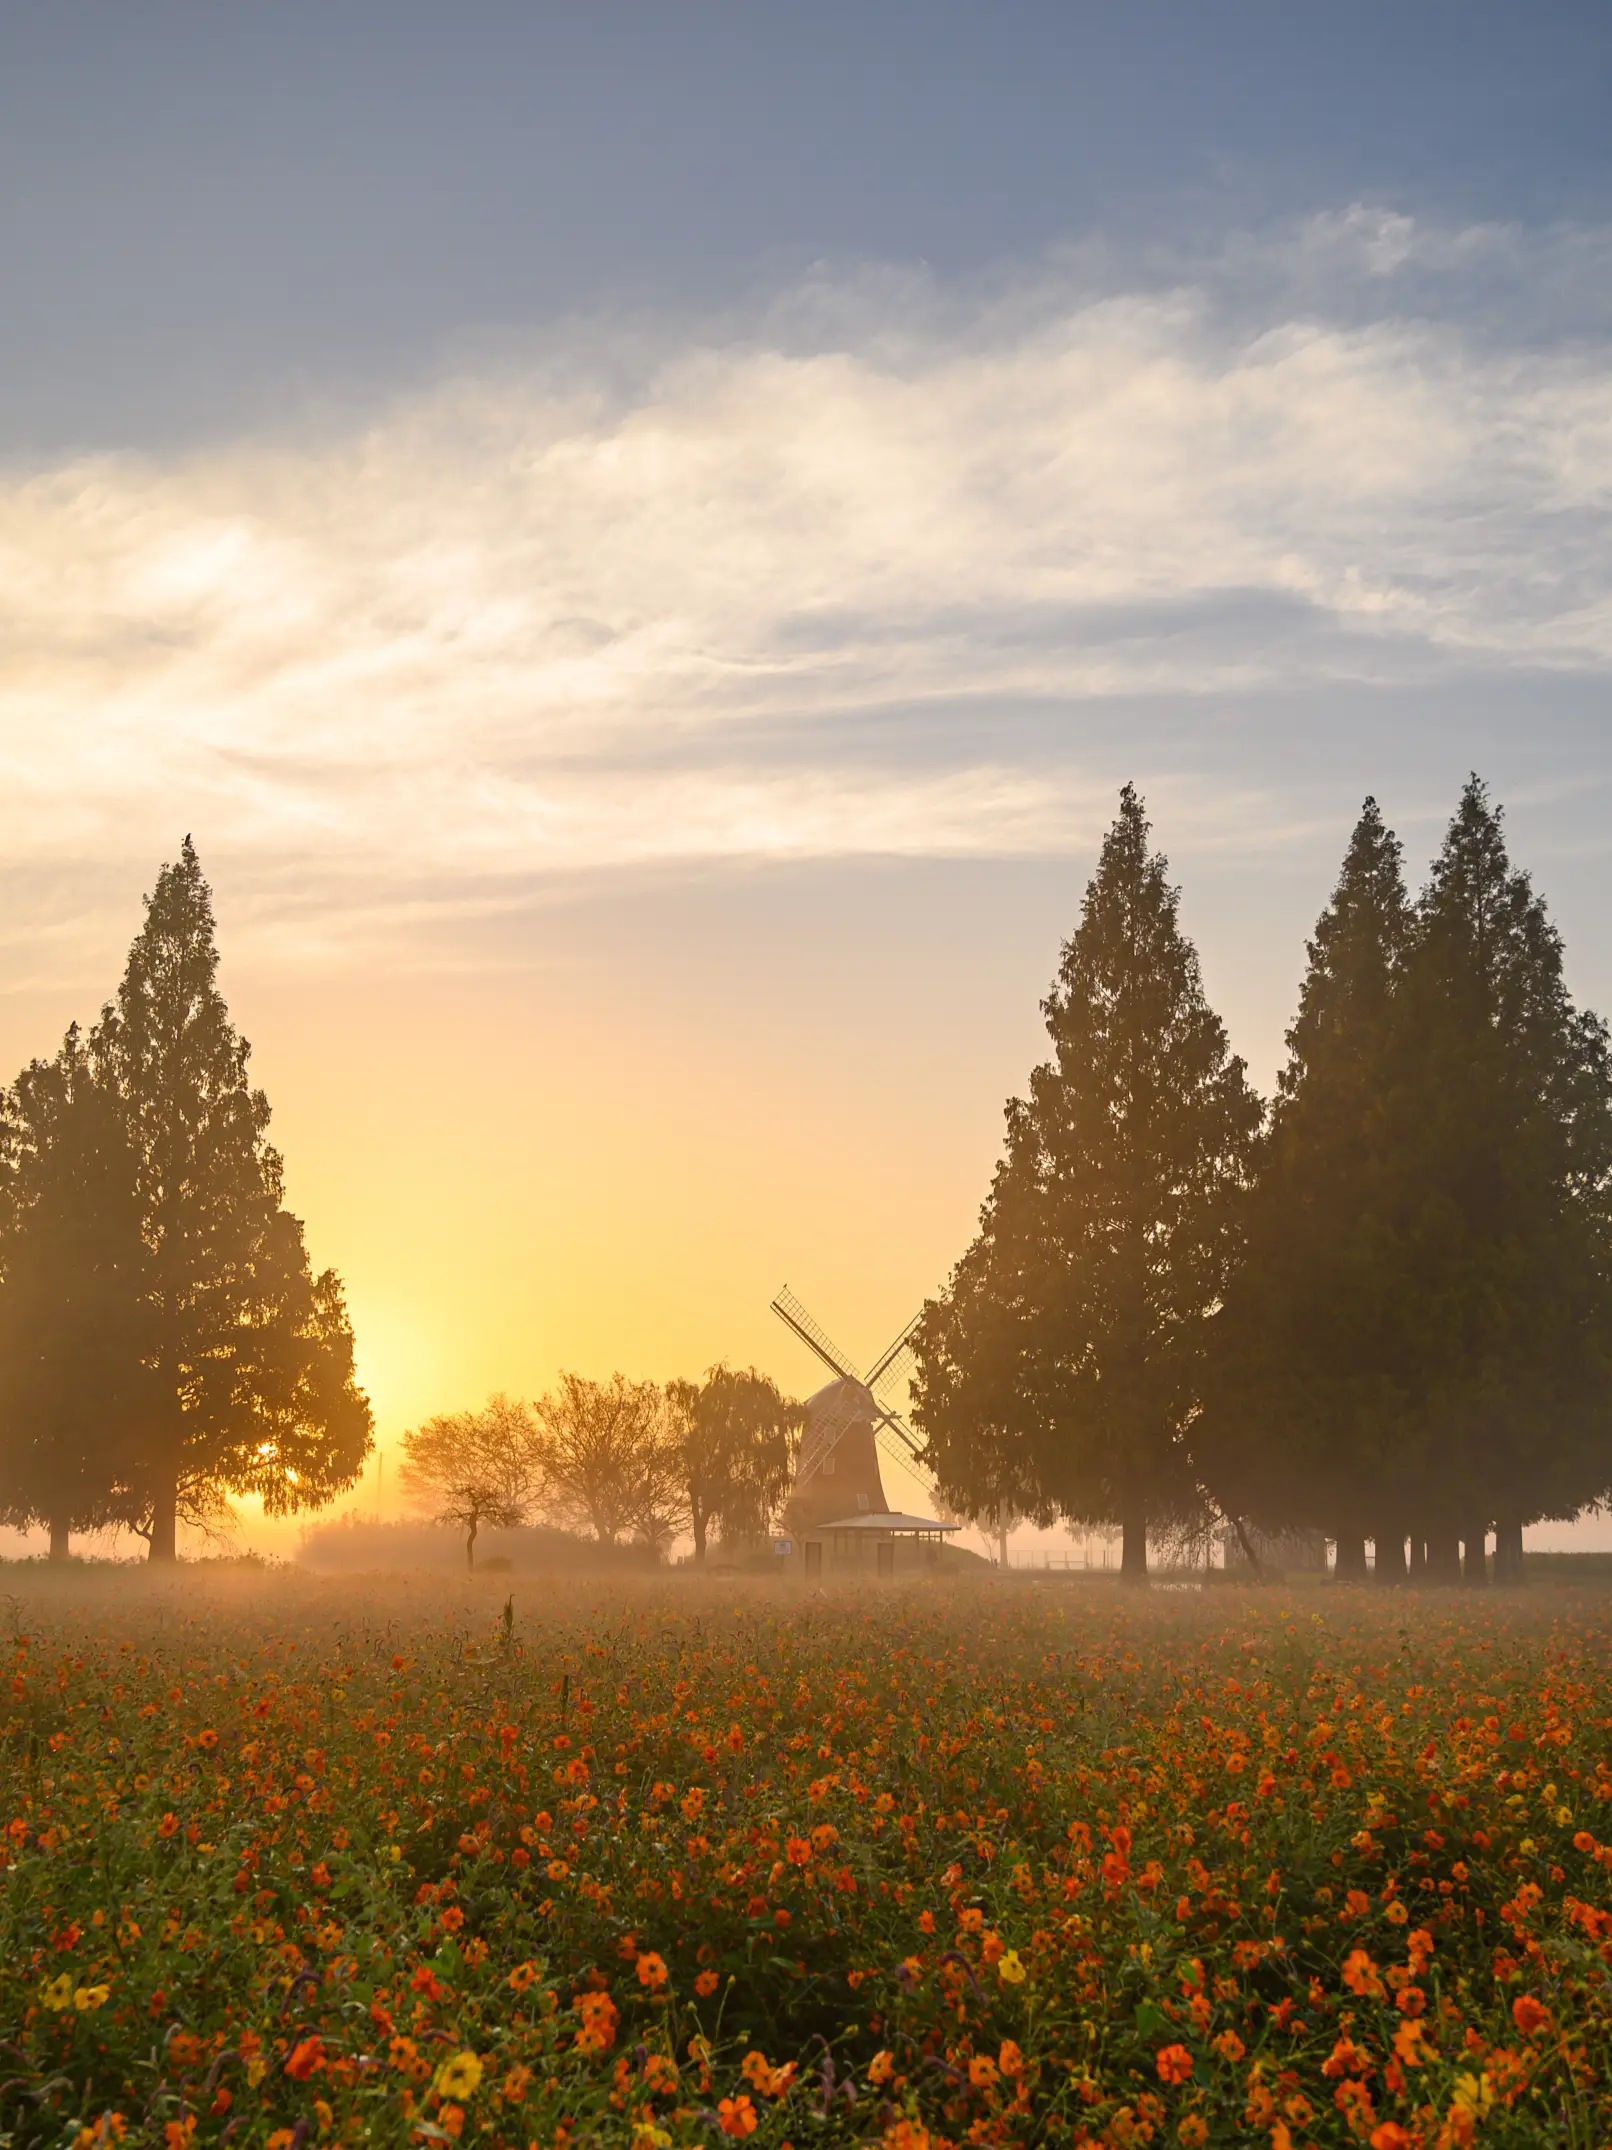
[305,2058]
[1174,2064]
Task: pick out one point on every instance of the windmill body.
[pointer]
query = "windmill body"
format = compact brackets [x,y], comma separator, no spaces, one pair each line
[838,1497]
[838,1471]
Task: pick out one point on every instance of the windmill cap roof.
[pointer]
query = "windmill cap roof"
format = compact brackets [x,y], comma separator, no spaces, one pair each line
[843,1392]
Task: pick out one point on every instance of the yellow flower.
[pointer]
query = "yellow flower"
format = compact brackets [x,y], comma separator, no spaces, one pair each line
[1474,2093]
[1010,1970]
[88,1998]
[458,2077]
[57,1993]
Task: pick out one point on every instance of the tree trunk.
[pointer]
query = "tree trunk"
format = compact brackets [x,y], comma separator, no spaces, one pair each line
[60,1535]
[165,1518]
[1349,1566]
[1133,1549]
[1443,1555]
[470,1544]
[1508,1561]
[1390,1551]
[697,1519]
[1418,1558]
[1474,1565]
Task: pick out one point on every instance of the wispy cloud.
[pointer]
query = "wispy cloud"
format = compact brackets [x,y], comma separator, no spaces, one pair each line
[662,592]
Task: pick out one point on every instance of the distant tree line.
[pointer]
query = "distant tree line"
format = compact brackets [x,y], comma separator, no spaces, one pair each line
[164,1341]
[1379,1310]
[626,1460]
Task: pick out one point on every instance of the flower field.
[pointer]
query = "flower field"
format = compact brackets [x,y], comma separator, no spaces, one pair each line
[292,1863]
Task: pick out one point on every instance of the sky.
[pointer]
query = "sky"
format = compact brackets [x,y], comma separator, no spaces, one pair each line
[642,542]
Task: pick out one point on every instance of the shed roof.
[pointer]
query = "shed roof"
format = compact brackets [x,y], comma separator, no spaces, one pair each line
[888,1523]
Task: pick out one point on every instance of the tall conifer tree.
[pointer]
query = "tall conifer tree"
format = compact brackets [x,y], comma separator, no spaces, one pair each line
[1503,1109]
[74,1389]
[1303,1400]
[252,1355]
[1058,1373]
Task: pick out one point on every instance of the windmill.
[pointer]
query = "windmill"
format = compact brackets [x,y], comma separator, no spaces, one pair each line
[848,1421]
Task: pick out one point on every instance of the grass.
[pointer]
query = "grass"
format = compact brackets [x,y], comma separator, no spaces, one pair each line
[298,1861]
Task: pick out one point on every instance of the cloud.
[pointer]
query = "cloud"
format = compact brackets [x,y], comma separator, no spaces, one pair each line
[761,588]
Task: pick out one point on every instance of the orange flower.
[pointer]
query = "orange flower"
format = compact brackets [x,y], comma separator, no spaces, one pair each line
[881,2067]
[1390,2136]
[1529,2015]
[1010,2060]
[1353,2100]
[652,1972]
[982,2071]
[1360,1975]
[1193,2131]
[1174,2064]
[305,2058]
[1230,2047]
[797,1851]
[1346,2058]
[599,2014]
[1408,2042]
[168,1824]
[523,1975]
[736,2116]
[706,1984]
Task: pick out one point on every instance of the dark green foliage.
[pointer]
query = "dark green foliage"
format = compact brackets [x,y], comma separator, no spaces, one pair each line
[1420,1339]
[75,1391]
[1303,1389]
[252,1354]
[1502,1202]
[1058,1374]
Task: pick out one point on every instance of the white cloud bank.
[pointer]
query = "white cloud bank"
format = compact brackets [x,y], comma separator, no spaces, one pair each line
[534,622]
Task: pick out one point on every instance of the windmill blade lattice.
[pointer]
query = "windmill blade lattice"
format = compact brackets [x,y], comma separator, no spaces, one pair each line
[890,1430]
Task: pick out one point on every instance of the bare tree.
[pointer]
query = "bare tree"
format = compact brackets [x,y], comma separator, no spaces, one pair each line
[475,1467]
[608,1458]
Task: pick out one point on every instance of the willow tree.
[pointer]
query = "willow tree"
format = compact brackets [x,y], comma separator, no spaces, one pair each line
[1059,1372]
[735,1436]
[250,1354]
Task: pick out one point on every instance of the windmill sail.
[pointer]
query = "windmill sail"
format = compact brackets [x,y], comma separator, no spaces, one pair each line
[790,1311]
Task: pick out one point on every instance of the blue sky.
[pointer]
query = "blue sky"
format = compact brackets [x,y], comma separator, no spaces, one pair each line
[210,215]
[642,542]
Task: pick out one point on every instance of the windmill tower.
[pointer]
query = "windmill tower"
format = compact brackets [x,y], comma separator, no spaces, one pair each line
[848,1421]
